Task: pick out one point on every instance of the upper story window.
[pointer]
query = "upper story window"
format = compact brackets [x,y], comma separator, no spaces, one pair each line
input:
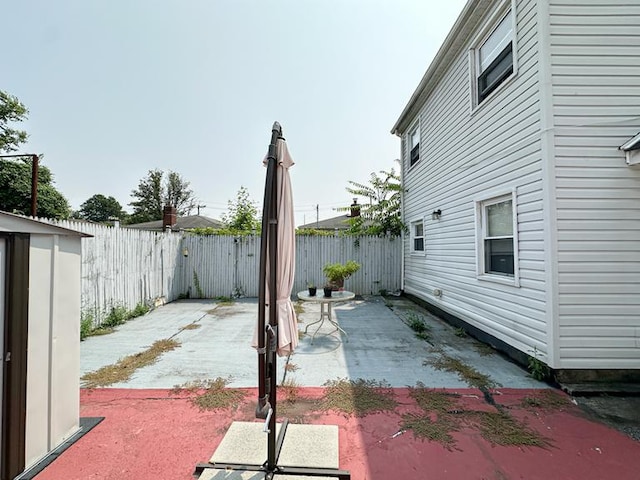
[417,236]
[497,239]
[414,145]
[494,58]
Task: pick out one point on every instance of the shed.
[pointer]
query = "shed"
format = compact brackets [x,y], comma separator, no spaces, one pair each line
[40,314]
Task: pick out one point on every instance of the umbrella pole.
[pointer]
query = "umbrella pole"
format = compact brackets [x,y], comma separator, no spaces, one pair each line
[267,334]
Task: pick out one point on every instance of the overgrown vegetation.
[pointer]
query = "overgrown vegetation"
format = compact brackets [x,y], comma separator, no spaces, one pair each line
[545,400]
[416,323]
[211,394]
[443,415]
[357,397]
[115,316]
[196,284]
[123,369]
[465,372]
[537,368]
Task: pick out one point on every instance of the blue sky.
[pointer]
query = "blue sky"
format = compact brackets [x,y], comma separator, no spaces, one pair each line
[118,87]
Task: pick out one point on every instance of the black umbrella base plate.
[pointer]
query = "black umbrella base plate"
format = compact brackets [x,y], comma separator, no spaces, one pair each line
[308,451]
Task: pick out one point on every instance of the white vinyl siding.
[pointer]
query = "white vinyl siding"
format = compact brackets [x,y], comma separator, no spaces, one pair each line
[464,156]
[595,68]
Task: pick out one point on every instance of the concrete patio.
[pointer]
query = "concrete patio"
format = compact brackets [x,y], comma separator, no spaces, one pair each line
[215,341]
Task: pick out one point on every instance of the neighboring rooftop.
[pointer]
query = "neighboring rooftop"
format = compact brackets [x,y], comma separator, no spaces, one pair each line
[181,223]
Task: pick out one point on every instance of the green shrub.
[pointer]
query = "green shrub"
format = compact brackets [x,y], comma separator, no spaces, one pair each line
[86,325]
[117,316]
[141,309]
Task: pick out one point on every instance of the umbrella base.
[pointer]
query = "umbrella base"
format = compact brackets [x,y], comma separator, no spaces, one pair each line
[308,451]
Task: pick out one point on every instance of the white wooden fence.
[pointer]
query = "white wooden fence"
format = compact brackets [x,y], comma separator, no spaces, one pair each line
[122,266]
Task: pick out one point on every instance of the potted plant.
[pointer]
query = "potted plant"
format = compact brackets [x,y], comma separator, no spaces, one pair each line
[327,290]
[312,289]
[337,273]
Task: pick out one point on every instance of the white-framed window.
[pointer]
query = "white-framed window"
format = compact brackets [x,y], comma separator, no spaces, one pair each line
[494,57]
[417,236]
[414,144]
[497,239]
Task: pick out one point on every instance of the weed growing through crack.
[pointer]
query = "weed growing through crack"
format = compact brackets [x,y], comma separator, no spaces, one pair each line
[211,394]
[465,372]
[545,400]
[291,390]
[443,415]
[483,349]
[191,326]
[298,307]
[123,369]
[500,428]
[460,332]
[357,397]
[291,367]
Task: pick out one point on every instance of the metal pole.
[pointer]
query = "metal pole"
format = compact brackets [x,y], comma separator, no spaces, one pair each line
[34,185]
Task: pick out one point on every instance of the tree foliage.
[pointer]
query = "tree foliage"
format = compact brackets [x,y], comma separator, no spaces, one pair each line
[11,110]
[243,213]
[158,189]
[15,190]
[99,208]
[382,215]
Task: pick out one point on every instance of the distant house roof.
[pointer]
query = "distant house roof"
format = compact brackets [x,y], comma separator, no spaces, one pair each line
[341,222]
[182,223]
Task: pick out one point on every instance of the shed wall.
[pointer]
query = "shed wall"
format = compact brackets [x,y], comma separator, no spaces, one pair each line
[53,361]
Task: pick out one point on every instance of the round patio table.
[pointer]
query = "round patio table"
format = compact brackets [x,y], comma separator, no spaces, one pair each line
[326,312]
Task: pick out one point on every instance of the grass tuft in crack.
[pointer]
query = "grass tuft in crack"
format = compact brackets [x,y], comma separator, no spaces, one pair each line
[211,394]
[500,428]
[123,369]
[357,397]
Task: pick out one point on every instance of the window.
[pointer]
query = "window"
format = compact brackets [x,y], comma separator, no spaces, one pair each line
[417,237]
[495,58]
[414,145]
[497,239]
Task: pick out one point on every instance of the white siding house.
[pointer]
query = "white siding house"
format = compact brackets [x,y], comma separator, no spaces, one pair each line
[523,210]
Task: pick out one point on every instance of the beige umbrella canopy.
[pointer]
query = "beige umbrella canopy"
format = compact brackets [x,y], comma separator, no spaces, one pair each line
[286,267]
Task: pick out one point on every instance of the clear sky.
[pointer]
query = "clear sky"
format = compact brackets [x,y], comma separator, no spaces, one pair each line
[118,87]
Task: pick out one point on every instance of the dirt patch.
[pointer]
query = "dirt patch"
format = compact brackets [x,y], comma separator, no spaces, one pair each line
[357,397]
[123,369]
[211,394]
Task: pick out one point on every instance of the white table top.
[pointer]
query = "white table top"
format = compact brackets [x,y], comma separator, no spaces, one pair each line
[339,296]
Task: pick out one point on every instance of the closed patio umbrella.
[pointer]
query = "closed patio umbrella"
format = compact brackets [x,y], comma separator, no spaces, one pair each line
[277,328]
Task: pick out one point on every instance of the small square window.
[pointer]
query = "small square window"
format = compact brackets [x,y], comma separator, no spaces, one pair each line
[417,236]
[497,239]
[494,58]
[414,145]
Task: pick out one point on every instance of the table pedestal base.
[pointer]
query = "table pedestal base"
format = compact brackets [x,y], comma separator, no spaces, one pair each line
[326,314]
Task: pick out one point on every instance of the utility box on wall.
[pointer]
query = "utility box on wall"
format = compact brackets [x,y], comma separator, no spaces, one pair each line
[40,338]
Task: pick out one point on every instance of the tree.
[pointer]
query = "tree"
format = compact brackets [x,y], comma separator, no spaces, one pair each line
[243,213]
[99,208]
[157,190]
[15,190]
[11,110]
[382,215]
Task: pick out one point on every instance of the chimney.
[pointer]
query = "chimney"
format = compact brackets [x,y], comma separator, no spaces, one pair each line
[169,217]
[355,208]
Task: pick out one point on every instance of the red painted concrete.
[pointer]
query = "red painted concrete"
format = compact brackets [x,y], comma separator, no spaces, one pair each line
[151,434]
